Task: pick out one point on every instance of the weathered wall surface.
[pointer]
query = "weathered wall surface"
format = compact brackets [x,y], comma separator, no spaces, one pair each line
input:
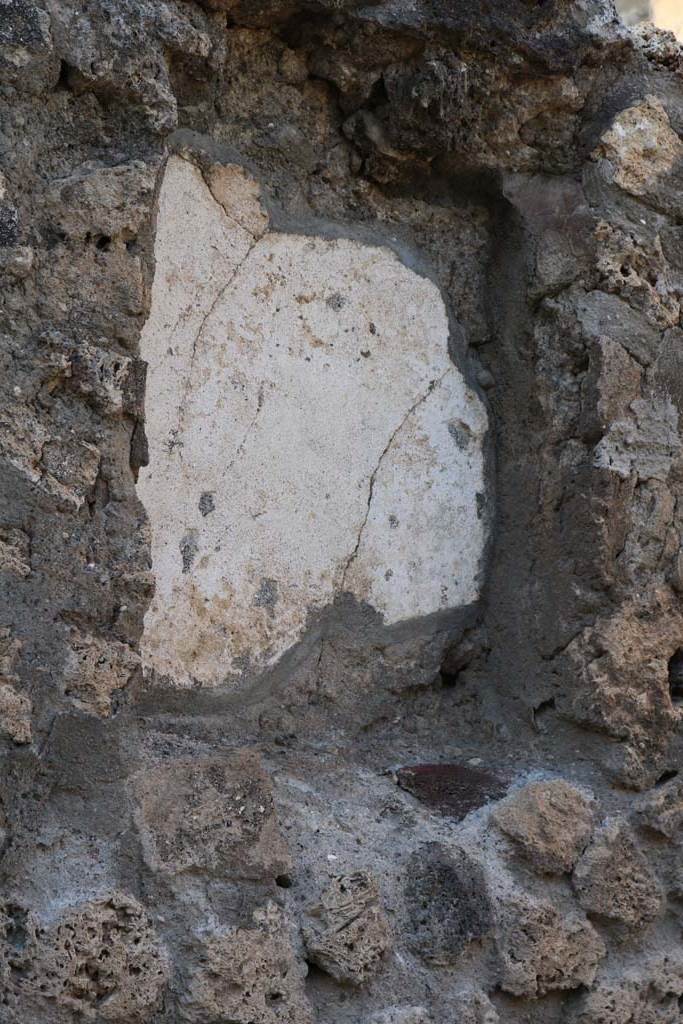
[341,646]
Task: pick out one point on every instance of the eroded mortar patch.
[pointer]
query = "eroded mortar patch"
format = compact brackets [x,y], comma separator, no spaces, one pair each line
[304,385]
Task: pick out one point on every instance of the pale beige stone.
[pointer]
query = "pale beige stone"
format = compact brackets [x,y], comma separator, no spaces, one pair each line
[249,976]
[214,815]
[541,950]
[614,879]
[95,670]
[240,197]
[15,714]
[641,145]
[308,435]
[550,821]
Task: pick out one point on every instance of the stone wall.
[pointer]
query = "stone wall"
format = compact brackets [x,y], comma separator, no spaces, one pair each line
[342,637]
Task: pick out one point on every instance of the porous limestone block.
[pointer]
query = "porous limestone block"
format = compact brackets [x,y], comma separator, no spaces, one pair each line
[96,671]
[550,821]
[647,992]
[309,435]
[541,950]
[641,146]
[348,932]
[99,960]
[249,976]
[614,879]
[212,815]
[662,810]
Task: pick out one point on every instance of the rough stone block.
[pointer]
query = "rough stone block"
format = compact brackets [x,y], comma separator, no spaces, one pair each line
[348,933]
[641,147]
[15,552]
[549,821]
[99,961]
[662,810]
[541,951]
[70,469]
[95,670]
[249,976]
[647,994]
[447,901]
[215,815]
[402,1015]
[15,714]
[474,1007]
[614,879]
[107,202]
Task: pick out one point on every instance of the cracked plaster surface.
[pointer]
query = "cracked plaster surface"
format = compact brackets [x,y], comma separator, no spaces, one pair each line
[309,435]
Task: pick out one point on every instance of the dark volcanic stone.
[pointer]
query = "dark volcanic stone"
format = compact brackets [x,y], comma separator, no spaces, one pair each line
[452,789]
[447,902]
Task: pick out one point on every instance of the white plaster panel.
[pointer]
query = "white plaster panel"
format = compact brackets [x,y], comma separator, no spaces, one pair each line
[302,385]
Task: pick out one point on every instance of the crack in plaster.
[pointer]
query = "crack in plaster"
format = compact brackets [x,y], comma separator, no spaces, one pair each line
[373,476]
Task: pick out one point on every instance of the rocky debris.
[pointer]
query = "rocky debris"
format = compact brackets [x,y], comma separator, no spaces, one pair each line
[347,932]
[662,810]
[215,815]
[96,671]
[15,707]
[103,204]
[15,552]
[15,714]
[452,789]
[248,976]
[402,1015]
[99,961]
[613,878]
[647,994]
[447,902]
[475,1007]
[641,146]
[541,950]
[123,48]
[549,821]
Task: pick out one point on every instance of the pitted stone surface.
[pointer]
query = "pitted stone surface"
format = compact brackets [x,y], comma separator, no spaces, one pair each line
[348,933]
[101,960]
[215,815]
[305,384]
[541,950]
[549,821]
[641,146]
[249,976]
[614,879]
[447,901]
